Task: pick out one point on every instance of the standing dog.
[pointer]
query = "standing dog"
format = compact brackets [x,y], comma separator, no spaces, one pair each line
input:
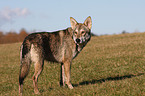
[61,46]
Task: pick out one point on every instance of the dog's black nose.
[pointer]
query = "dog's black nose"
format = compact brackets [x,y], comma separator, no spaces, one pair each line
[78,40]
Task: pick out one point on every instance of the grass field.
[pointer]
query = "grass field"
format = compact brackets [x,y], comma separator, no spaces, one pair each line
[108,66]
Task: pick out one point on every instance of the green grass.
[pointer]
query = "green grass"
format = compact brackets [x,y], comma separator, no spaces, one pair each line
[108,66]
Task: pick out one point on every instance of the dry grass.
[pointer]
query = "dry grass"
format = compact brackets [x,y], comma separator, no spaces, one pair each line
[108,66]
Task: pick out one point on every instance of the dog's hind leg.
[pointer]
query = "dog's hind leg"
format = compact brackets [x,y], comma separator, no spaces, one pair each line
[38,69]
[24,70]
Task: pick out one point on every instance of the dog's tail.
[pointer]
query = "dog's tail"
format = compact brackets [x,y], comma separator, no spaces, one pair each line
[25,59]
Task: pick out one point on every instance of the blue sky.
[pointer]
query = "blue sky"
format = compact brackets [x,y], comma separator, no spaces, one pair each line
[108,16]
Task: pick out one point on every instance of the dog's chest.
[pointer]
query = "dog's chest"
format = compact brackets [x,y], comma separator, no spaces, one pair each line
[77,51]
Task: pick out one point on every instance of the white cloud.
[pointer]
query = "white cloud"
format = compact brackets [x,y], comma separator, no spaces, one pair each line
[7,14]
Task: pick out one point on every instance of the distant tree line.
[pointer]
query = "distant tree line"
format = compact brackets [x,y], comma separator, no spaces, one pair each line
[12,37]
[93,34]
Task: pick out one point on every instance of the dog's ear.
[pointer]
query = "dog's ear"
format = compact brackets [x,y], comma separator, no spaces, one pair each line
[88,22]
[73,22]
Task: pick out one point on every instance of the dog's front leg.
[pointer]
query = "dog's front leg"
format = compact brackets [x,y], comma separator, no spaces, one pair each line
[67,69]
[62,75]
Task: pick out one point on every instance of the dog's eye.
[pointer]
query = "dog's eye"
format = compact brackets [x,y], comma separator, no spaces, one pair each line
[75,33]
[83,32]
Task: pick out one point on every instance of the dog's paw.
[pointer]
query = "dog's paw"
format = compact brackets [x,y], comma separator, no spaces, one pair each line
[70,86]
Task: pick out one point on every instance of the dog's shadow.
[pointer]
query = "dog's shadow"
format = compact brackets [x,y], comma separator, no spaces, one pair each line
[94,81]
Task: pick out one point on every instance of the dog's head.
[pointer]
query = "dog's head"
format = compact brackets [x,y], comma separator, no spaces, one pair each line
[81,31]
